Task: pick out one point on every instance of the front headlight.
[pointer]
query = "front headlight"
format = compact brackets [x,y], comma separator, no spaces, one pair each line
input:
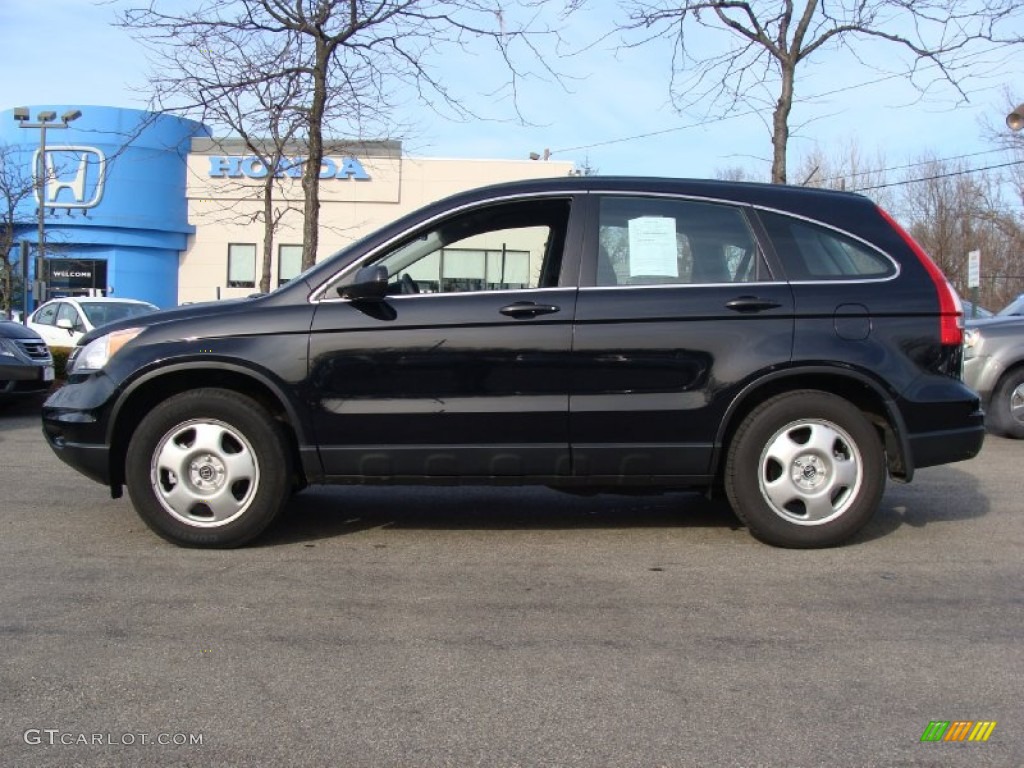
[972,340]
[9,349]
[97,353]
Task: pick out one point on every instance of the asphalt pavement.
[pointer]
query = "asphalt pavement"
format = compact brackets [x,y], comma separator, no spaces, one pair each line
[429,627]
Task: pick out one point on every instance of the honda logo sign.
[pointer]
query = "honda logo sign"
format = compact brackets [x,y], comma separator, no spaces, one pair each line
[74,176]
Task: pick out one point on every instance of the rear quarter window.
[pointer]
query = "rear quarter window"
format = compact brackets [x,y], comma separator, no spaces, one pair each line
[813,252]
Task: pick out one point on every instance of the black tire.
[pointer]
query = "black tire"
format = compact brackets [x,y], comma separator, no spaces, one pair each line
[1006,410]
[208,468]
[805,470]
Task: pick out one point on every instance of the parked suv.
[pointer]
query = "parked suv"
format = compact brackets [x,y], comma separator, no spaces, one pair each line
[789,346]
[994,366]
[26,366]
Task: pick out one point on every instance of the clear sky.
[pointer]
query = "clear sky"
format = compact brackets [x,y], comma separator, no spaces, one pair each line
[612,111]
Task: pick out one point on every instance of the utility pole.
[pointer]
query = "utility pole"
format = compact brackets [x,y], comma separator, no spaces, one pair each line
[44,121]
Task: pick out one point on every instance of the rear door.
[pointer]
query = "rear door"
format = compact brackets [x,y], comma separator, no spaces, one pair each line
[677,311]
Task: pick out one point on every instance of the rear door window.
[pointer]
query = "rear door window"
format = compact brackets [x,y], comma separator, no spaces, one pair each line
[658,241]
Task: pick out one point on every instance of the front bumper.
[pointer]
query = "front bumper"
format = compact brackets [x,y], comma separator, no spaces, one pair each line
[18,378]
[75,427]
[981,373]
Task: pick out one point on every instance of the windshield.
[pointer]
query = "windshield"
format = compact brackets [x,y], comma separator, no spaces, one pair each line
[1015,307]
[103,312]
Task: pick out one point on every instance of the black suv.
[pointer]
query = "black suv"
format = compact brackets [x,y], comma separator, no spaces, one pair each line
[790,346]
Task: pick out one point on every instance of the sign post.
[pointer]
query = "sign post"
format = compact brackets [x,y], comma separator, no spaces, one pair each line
[24,281]
[974,278]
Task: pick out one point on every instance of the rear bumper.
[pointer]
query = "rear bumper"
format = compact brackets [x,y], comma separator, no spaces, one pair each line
[947,446]
[943,422]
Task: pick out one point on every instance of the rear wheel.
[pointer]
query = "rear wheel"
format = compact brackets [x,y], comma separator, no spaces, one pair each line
[805,469]
[208,468]
[1006,410]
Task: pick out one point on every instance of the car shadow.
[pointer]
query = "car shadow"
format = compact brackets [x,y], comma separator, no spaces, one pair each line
[325,512]
[937,495]
[22,406]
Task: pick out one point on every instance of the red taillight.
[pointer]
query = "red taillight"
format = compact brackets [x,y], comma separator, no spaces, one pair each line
[951,311]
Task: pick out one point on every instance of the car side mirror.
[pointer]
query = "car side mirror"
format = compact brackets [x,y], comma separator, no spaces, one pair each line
[66,325]
[370,283]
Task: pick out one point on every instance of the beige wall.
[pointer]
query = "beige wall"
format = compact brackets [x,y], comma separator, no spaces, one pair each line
[228,210]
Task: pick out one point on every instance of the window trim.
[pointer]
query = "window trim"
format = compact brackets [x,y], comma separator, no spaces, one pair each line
[588,268]
[763,231]
[570,267]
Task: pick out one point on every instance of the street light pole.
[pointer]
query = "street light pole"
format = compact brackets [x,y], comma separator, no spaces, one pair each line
[44,121]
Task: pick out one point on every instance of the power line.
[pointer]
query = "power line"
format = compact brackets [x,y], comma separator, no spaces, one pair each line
[939,176]
[914,164]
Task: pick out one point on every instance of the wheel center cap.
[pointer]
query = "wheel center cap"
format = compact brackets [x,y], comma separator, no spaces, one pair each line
[808,472]
[207,472]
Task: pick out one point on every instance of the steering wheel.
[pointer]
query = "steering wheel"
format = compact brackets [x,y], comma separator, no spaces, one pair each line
[408,284]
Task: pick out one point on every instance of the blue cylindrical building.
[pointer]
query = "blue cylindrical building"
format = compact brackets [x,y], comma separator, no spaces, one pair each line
[114,193]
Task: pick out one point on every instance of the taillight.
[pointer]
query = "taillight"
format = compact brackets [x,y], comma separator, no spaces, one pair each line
[951,311]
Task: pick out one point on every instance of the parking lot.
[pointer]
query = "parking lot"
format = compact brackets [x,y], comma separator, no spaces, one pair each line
[508,627]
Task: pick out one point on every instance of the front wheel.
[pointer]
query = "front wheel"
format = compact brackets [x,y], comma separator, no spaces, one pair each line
[208,468]
[1006,410]
[805,469]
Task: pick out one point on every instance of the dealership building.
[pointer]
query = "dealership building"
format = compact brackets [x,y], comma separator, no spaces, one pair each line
[151,206]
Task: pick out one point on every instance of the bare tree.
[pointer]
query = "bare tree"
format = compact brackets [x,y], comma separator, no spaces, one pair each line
[953,211]
[771,40]
[16,187]
[352,62]
[253,93]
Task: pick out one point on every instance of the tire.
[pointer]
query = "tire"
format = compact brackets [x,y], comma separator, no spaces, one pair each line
[1006,410]
[805,470]
[208,468]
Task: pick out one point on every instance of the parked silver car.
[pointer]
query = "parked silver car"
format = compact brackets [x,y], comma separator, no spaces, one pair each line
[994,367]
[1014,309]
[26,366]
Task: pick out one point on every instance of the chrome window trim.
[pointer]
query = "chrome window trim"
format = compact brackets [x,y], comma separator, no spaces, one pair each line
[817,222]
[400,296]
[737,204]
[681,285]
[317,294]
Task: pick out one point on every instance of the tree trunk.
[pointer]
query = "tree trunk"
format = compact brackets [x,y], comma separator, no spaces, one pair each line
[311,172]
[780,124]
[268,229]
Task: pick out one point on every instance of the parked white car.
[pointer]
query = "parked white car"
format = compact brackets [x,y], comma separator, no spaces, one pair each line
[62,322]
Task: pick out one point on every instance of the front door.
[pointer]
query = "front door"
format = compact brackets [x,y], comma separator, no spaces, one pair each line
[463,369]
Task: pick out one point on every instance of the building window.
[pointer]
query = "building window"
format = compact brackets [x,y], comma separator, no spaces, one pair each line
[242,265]
[289,262]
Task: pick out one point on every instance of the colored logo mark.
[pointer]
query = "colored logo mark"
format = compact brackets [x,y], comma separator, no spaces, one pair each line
[958,730]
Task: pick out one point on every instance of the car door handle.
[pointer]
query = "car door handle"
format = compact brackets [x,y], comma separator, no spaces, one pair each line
[751,304]
[528,309]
